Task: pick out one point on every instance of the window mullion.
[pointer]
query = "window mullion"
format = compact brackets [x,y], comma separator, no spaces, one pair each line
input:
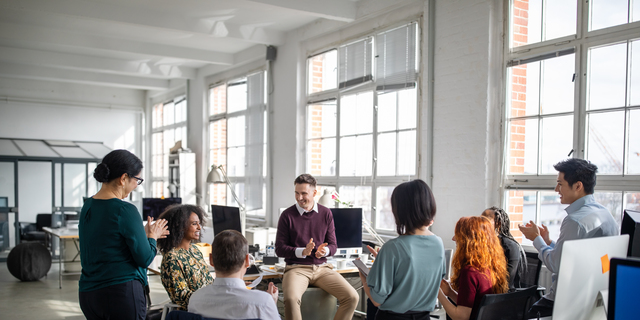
[580,103]
[338,135]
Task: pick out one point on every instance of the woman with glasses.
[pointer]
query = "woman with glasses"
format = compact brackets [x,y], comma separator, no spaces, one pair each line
[183,269]
[116,248]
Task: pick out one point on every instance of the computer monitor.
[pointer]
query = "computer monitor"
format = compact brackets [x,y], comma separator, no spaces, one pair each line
[4,201]
[624,281]
[584,271]
[348,223]
[225,218]
[631,226]
[153,207]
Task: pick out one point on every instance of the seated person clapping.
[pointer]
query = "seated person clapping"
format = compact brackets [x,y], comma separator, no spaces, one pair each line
[478,266]
[228,297]
[183,269]
[405,277]
[514,254]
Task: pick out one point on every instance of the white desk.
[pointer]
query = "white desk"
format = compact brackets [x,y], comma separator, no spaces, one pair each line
[62,234]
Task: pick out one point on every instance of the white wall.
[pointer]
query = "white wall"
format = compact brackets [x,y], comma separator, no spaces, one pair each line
[466,170]
[48,110]
[467,100]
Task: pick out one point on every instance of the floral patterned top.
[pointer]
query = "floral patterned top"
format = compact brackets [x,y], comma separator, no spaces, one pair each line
[182,273]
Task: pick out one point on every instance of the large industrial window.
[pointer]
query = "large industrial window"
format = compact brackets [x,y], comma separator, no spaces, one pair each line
[362,116]
[571,91]
[169,126]
[237,141]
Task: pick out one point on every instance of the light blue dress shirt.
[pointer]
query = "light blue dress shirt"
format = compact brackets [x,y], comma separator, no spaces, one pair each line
[585,219]
[229,298]
[407,272]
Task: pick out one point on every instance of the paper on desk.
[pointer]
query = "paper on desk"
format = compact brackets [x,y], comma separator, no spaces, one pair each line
[255,282]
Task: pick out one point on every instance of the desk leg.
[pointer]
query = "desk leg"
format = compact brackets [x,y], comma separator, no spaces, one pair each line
[75,242]
[60,255]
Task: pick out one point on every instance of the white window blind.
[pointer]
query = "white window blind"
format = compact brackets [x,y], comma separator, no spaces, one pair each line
[355,63]
[255,141]
[396,58]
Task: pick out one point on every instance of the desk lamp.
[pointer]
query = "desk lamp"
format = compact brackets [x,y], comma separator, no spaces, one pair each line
[219,175]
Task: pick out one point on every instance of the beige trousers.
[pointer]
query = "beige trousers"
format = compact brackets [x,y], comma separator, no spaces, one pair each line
[298,277]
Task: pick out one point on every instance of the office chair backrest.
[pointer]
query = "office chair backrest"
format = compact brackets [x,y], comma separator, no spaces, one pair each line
[448,254]
[184,315]
[532,275]
[505,306]
[43,220]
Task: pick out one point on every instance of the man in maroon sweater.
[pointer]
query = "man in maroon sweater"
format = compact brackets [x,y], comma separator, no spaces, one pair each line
[300,227]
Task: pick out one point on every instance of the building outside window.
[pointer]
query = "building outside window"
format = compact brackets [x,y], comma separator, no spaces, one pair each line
[237,141]
[362,113]
[169,125]
[572,86]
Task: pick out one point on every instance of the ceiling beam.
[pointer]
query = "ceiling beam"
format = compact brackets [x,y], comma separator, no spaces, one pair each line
[255,53]
[54,37]
[341,10]
[142,68]
[58,13]
[82,77]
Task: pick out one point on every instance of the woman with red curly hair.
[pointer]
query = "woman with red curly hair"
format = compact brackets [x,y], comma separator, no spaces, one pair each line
[478,266]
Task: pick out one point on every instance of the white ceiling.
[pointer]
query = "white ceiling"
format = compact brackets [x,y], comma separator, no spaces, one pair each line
[142,44]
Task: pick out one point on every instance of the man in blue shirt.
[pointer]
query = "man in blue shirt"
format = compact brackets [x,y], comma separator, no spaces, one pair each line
[585,219]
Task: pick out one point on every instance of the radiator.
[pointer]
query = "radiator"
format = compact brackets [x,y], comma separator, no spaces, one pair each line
[545,278]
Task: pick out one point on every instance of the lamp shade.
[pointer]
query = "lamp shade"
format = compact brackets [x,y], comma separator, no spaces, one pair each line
[326,198]
[215,175]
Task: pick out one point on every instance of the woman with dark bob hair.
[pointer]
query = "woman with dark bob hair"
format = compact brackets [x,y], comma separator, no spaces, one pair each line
[403,282]
[116,248]
[183,269]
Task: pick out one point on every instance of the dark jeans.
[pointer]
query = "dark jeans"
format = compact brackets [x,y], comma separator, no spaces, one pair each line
[124,301]
[388,315]
[371,310]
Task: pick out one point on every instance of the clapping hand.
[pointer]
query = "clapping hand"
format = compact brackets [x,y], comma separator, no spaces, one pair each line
[158,230]
[310,246]
[544,233]
[321,250]
[273,291]
[530,230]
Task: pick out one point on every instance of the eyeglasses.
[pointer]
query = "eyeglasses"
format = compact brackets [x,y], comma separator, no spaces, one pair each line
[140,180]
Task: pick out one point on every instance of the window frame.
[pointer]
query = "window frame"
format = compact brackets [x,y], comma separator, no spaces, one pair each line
[373,181]
[258,215]
[581,42]
[181,98]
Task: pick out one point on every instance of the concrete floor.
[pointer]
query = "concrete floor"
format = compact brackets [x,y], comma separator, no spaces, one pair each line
[43,300]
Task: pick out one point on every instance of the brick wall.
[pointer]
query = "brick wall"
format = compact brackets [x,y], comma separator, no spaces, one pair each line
[218,141]
[518,106]
[315,112]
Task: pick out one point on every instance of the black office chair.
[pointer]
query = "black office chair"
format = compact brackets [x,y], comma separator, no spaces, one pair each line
[183,315]
[532,275]
[506,306]
[33,231]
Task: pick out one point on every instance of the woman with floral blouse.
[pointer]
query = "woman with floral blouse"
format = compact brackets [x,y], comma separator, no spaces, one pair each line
[183,269]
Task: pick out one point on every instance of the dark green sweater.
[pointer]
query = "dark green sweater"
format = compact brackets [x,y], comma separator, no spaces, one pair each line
[114,247]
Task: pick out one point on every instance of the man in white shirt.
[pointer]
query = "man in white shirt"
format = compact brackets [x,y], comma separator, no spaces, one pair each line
[585,219]
[228,297]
